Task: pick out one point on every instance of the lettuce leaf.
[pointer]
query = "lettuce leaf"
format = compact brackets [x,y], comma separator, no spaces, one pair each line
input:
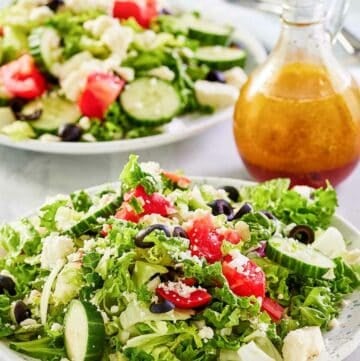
[48,212]
[291,207]
[81,201]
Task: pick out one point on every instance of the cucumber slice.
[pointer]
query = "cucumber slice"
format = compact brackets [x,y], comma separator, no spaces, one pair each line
[6,116]
[150,101]
[84,332]
[56,112]
[44,46]
[91,219]
[220,57]
[209,33]
[298,257]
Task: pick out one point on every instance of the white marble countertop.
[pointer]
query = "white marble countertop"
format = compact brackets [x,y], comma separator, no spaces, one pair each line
[26,178]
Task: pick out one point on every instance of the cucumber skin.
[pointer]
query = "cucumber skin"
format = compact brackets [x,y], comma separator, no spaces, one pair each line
[208,38]
[34,43]
[96,341]
[85,224]
[225,65]
[298,267]
[146,122]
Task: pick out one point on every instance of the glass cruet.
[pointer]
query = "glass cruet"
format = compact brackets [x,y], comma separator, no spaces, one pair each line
[298,115]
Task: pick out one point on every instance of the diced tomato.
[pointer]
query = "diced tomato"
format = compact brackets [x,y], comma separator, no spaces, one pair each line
[180,180]
[196,297]
[1,31]
[22,79]
[142,13]
[151,203]
[105,230]
[100,92]
[274,310]
[190,281]
[204,240]
[246,280]
[231,236]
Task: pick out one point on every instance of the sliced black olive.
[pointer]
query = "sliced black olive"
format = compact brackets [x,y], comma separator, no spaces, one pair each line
[221,206]
[180,232]
[268,215]
[16,104]
[303,234]
[172,275]
[216,75]
[20,311]
[237,45]
[55,4]
[232,192]
[244,209]
[165,11]
[7,284]
[139,238]
[161,307]
[70,133]
[36,114]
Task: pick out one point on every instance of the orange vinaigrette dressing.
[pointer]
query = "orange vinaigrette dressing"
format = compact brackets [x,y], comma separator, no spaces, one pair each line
[299,126]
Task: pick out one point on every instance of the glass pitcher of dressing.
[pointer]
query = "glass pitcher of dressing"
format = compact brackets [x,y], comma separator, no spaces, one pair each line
[298,116]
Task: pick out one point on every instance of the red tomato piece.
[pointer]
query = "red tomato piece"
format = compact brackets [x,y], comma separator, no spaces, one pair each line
[204,240]
[142,13]
[183,296]
[274,310]
[100,92]
[152,204]
[231,236]
[190,281]
[22,79]
[244,280]
[180,180]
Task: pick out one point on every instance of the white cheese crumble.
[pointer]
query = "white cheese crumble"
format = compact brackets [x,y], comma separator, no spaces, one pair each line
[40,14]
[214,94]
[162,72]
[88,137]
[66,217]
[206,333]
[85,123]
[180,288]
[55,248]
[126,73]
[56,327]
[235,77]
[28,322]
[239,261]
[49,138]
[307,342]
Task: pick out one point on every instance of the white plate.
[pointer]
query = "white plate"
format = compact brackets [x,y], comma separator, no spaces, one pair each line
[340,342]
[180,128]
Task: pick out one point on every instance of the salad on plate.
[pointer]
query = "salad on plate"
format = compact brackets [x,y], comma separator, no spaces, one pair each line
[83,71]
[158,267]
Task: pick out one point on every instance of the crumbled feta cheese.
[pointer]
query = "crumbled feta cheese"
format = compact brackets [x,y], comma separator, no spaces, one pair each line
[55,248]
[28,322]
[162,72]
[352,257]
[126,73]
[304,191]
[114,309]
[238,260]
[85,123]
[206,333]
[66,217]
[89,244]
[49,138]
[33,298]
[214,94]
[180,288]
[88,137]
[40,14]
[81,6]
[187,52]
[118,39]
[235,77]
[152,168]
[334,323]
[56,327]
[307,342]
[243,229]
[330,242]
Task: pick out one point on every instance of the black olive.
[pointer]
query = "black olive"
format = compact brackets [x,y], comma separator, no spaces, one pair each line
[165,11]
[55,4]
[172,275]
[161,307]
[268,215]
[16,104]
[180,232]
[7,284]
[139,238]
[232,192]
[70,133]
[244,209]
[237,45]
[20,311]
[215,75]
[36,114]
[303,234]
[221,206]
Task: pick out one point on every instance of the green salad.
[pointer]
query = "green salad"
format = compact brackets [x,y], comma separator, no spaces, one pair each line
[159,268]
[109,70]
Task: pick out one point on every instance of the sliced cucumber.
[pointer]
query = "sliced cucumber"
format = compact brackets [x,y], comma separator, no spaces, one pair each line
[209,33]
[44,46]
[220,57]
[84,332]
[92,219]
[298,257]
[56,111]
[6,116]
[150,101]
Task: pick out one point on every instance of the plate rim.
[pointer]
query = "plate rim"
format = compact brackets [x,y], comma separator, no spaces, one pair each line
[342,352]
